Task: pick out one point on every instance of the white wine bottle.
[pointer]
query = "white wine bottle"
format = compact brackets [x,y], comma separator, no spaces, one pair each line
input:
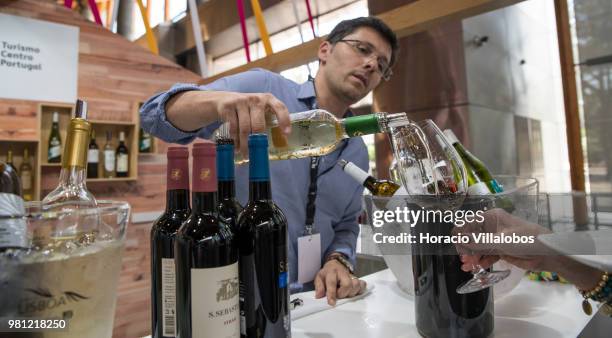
[318,132]
[9,159]
[480,180]
[109,157]
[71,192]
[55,141]
[383,188]
[145,142]
[25,173]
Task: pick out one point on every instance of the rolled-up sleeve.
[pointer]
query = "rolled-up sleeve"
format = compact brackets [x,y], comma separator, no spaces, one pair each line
[347,230]
[153,112]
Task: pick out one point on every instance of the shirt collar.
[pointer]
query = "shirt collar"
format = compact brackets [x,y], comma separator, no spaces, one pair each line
[306,92]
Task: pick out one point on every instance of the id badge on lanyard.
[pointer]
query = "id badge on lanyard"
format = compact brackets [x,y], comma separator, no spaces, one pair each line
[309,244]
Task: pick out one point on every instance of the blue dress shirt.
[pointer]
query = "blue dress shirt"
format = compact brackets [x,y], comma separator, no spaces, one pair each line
[338,201]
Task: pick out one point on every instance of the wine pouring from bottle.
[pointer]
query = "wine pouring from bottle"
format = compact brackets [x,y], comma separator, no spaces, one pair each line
[318,132]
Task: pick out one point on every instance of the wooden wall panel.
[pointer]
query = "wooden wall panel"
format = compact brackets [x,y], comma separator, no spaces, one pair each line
[18,120]
[114,76]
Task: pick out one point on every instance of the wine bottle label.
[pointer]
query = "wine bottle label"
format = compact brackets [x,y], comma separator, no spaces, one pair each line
[361,125]
[93,156]
[168,283]
[356,172]
[479,188]
[54,151]
[109,160]
[122,163]
[13,232]
[214,302]
[26,180]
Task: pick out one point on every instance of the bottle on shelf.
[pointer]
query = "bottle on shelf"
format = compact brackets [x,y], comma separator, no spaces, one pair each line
[318,132]
[93,157]
[13,231]
[72,192]
[383,188]
[9,159]
[206,258]
[229,208]
[55,141]
[25,173]
[479,178]
[163,233]
[109,156]
[145,141]
[262,238]
[122,157]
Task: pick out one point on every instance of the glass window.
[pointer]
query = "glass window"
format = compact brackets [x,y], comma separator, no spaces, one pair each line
[291,37]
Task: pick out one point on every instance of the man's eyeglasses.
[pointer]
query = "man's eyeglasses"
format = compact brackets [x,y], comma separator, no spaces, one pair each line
[366,50]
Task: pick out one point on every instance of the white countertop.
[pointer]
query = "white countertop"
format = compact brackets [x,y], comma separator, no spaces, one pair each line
[532,309]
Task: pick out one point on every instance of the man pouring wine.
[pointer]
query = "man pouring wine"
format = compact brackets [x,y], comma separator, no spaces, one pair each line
[319,201]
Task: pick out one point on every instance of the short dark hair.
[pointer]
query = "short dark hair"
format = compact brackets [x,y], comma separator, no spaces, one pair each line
[347,27]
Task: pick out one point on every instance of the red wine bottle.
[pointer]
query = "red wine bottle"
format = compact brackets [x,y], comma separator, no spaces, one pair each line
[206,259]
[163,233]
[262,238]
[440,311]
[229,208]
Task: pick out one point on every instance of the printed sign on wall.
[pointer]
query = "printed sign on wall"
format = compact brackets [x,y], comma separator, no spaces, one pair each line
[39,60]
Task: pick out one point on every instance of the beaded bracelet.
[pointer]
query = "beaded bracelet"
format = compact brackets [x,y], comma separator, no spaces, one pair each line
[602,292]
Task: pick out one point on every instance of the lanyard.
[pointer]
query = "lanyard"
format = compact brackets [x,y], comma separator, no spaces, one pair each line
[312,195]
[312,189]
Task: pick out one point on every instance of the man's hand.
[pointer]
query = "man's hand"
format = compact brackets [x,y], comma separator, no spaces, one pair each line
[246,114]
[335,281]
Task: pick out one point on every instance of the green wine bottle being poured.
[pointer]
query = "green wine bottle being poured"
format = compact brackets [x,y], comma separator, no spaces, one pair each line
[318,132]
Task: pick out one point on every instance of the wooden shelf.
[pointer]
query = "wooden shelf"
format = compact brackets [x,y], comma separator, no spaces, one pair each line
[49,171]
[113,179]
[50,164]
[114,123]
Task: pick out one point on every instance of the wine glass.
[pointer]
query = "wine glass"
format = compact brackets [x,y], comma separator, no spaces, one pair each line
[434,177]
[428,167]
[481,278]
[519,198]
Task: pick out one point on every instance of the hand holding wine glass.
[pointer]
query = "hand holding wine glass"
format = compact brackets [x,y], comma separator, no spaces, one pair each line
[498,222]
[529,256]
